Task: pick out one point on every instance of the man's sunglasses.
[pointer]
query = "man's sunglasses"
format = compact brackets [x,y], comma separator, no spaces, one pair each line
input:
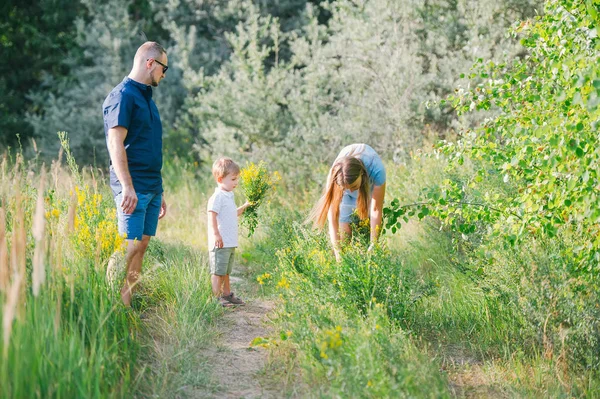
[165,67]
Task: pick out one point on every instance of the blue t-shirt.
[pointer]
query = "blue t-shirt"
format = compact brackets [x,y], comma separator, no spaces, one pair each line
[130,105]
[371,160]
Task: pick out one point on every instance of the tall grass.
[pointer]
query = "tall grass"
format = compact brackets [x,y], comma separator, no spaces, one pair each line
[64,332]
[468,306]
[176,297]
[336,317]
[175,293]
[417,317]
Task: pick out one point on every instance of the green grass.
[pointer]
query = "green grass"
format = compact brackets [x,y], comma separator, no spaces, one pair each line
[175,297]
[73,341]
[429,314]
[337,321]
[462,314]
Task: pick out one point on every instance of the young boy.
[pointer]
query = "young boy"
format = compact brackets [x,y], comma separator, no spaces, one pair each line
[223,229]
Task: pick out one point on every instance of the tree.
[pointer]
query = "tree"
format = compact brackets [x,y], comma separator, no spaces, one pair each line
[107,39]
[363,77]
[201,44]
[536,182]
[36,36]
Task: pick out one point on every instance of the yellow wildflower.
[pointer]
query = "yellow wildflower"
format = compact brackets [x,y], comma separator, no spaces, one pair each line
[255,183]
[263,278]
[283,283]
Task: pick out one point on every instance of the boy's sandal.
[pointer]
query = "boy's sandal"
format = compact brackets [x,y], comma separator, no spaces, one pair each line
[224,303]
[231,298]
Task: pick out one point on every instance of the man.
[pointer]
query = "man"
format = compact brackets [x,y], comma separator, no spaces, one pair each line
[134,139]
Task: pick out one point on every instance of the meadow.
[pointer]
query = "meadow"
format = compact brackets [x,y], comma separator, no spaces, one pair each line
[417,317]
[429,313]
[485,282]
[65,332]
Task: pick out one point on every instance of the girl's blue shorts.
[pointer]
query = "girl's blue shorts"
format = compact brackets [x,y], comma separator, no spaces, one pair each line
[348,205]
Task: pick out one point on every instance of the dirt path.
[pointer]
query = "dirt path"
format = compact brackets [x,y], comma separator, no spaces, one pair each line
[236,366]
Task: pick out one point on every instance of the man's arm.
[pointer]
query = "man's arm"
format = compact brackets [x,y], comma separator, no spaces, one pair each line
[163,207]
[376,211]
[118,157]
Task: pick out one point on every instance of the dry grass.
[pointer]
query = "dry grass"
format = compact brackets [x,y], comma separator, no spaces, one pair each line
[4,265]
[39,224]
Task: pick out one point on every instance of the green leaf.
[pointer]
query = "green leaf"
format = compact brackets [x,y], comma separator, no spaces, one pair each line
[573,144]
[591,9]
[260,341]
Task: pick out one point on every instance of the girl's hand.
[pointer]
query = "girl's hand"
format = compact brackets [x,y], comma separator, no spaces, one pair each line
[338,257]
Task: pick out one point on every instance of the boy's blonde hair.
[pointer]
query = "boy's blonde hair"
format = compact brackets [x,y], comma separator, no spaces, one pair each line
[223,167]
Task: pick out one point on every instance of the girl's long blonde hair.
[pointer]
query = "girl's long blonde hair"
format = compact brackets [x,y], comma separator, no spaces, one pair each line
[344,173]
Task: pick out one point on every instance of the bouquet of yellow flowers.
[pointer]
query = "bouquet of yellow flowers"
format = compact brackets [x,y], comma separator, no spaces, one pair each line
[256,184]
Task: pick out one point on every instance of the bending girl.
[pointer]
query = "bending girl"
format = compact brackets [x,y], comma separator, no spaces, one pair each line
[356,181]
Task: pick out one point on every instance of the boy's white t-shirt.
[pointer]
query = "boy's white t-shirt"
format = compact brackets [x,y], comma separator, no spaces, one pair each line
[222,203]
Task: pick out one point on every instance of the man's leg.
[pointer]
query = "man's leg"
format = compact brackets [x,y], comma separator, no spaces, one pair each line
[133,226]
[135,256]
[219,269]
[144,219]
[226,286]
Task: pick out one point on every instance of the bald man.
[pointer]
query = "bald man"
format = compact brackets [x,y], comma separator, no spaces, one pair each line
[134,139]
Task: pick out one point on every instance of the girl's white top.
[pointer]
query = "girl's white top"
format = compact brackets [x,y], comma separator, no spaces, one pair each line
[222,203]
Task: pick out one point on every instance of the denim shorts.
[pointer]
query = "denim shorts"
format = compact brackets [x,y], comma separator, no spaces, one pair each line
[144,219]
[348,205]
[221,260]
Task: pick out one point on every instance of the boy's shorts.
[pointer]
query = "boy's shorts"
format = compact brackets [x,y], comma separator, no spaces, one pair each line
[348,205]
[221,260]
[144,219]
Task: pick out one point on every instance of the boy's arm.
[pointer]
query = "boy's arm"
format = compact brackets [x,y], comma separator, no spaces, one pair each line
[214,225]
[242,208]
